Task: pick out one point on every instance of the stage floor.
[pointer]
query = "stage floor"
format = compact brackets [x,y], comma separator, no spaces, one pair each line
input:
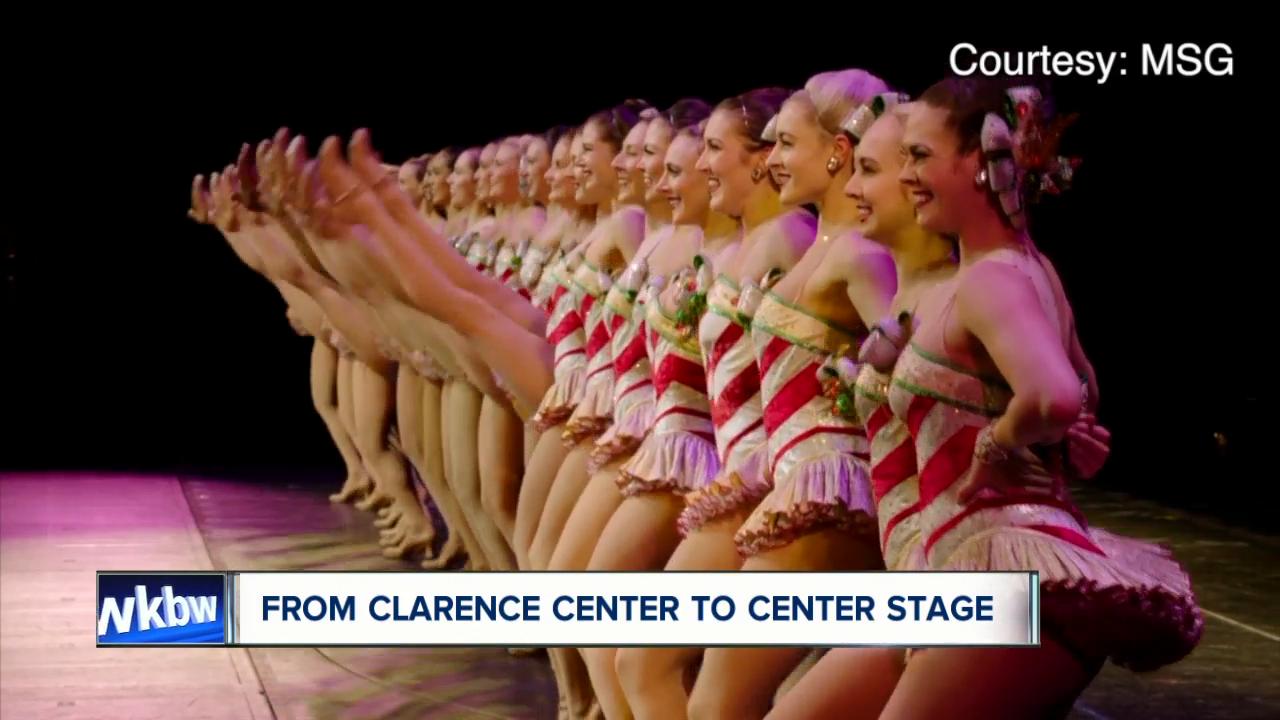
[57,529]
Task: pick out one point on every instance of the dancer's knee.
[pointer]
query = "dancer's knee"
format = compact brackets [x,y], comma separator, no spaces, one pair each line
[497,492]
[641,668]
[716,700]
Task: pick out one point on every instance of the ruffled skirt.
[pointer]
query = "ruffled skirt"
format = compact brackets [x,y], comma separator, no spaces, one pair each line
[1132,603]
[733,490]
[675,461]
[824,491]
[630,424]
[560,400]
[594,411]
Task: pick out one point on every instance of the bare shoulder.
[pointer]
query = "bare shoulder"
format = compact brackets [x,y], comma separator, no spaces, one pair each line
[987,288]
[856,255]
[628,224]
[790,236]
[484,227]
[532,219]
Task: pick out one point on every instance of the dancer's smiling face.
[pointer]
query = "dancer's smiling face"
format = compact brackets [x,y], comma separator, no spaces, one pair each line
[937,177]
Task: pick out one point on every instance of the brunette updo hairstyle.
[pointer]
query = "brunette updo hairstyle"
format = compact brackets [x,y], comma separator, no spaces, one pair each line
[686,115]
[756,108]
[967,100]
[618,120]
[552,136]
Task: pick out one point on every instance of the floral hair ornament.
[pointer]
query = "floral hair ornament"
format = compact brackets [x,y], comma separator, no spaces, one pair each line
[1020,146]
[859,121]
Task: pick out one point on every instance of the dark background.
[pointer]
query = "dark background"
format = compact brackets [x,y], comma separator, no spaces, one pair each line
[142,343]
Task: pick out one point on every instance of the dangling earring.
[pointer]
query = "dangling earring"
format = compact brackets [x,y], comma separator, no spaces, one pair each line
[980,179]
[833,165]
[757,174]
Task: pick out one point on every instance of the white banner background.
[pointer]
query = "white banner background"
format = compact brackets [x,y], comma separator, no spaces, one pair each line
[1010,609]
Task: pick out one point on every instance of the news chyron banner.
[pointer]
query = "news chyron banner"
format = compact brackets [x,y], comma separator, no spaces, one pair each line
[549,609]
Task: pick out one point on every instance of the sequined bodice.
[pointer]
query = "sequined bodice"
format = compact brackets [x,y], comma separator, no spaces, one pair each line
[945,405]
[633,375]
[790,346]
[679,380]
[564,326]
[733,379]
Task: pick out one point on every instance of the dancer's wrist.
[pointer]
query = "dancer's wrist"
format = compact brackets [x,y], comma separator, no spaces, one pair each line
[989,450]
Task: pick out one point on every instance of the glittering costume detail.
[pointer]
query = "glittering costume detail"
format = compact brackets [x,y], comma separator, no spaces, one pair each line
[595,410]
[565,334]
[529,275]
[633,395]
[426,366]
[506,266]
[1101,594]
[818,461]
[679,453]
[733,380]
[477,252]
[545,282]
[338,342]
[894,481]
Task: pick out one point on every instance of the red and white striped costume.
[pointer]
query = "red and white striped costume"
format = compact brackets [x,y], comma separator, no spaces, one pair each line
[537,274]
[733,379]
[678,454]
[564,333]
[529,274]
[507,267]
[894,481]
[1102,595]
[633,396]
[594,411]
[817,459]
[477,252]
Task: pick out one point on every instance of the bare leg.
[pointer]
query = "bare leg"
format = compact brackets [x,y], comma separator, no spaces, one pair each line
[539,474]
[967,683]
[433,476]
[375,395]
[411,527]
[565,493]
[409,426]
[324,393]
[531,437]
[741,682]
[847,682]
[373,414]
[641,535]
[501,454]
[347,416]
[462,426]
[573,552]
[654,678]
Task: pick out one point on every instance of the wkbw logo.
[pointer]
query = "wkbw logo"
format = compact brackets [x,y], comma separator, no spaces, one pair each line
[161,609]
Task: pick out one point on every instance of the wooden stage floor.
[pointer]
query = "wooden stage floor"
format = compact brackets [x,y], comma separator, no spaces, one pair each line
[57,529]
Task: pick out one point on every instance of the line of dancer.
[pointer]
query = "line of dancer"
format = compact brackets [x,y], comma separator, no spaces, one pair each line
[791,330]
